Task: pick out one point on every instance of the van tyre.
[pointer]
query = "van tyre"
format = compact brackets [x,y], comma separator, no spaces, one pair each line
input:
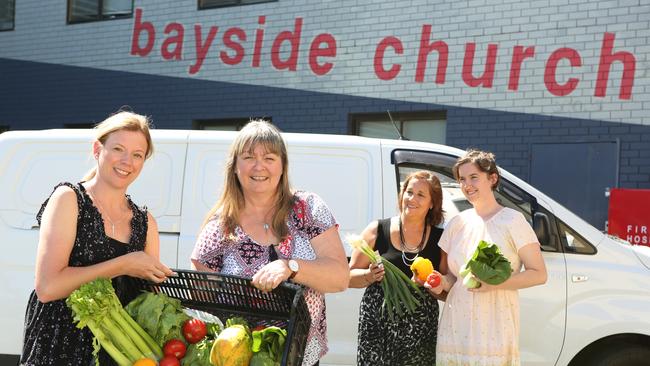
[623,356]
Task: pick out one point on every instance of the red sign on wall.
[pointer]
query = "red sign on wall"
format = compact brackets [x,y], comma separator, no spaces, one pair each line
[629,215]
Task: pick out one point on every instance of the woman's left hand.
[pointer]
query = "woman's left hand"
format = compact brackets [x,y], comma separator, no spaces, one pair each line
[271,275]
[485,287]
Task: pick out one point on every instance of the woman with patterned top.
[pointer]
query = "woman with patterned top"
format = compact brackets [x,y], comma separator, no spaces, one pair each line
[408,339]
[261,228]
[89,230]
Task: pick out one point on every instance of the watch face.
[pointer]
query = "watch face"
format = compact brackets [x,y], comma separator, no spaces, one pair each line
[293,265]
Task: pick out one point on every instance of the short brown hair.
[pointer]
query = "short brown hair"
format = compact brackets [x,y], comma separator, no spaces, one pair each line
[485,161]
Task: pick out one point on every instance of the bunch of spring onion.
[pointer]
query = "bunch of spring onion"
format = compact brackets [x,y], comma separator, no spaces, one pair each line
[96,306]
[397,295]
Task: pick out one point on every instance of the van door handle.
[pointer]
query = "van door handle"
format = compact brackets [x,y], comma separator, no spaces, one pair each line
[579,278]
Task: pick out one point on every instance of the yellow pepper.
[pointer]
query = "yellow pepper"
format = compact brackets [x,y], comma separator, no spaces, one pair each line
[421,268]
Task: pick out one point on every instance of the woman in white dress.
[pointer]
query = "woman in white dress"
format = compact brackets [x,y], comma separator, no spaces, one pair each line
[481,326]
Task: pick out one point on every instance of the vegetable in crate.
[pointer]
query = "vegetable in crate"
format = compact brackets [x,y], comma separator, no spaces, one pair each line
[198,354]
[160,315]
[486,264]
[232,347]
[96,306]
[175,348]
[268,345]
[194,330]
[169,361]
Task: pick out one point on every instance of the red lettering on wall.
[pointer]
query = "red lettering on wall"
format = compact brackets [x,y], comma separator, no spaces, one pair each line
[259,39]
[233,45]
[519,54]
[425,49]
[176,41]
[202,48]
[485,80]
[315,51]
[606,59]
[551,65]
[294,45]
[138,27]
[380,71]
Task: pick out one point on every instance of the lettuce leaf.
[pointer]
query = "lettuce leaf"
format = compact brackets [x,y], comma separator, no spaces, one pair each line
[488,264]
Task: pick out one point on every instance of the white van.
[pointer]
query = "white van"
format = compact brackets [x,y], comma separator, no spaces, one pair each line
[594,309]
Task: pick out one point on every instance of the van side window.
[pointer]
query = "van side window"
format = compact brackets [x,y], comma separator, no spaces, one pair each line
[573,242]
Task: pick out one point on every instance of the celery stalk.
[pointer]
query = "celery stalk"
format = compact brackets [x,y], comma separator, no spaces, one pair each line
[110,348]
[132,334]
[145,336]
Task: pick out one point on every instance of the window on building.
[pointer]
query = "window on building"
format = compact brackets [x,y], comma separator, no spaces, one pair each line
[7,12]
[226,124]
[208,4]
[417,126]
[80,11]
[79,125]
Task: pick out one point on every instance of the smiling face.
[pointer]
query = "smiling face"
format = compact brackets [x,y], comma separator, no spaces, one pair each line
[121,157]
[258,170]
[475,183]
[416,199]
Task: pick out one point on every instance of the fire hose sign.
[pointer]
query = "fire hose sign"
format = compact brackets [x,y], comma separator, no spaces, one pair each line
[629,215]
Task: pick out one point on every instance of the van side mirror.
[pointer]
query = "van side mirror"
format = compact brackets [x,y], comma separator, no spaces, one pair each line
[542,228]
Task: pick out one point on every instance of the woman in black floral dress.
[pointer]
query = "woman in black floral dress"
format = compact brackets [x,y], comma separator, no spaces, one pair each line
[89,230]
[409,339]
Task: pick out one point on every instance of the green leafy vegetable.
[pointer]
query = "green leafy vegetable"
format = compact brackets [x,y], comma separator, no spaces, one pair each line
[263,359]
[96,306]
[160,315]
[487,264]
[198,354]
[270,340]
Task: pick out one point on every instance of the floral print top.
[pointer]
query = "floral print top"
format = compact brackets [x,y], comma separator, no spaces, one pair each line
[240,255]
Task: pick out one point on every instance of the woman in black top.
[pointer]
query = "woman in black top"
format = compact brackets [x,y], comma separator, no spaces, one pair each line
[409,339]
[89,230]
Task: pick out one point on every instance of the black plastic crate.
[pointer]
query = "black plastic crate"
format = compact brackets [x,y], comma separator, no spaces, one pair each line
[226,296]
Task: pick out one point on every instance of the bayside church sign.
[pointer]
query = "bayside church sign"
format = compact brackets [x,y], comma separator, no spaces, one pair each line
[388,62]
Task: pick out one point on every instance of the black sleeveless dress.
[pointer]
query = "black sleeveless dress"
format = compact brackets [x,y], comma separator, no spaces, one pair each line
[51,338]
[406,340]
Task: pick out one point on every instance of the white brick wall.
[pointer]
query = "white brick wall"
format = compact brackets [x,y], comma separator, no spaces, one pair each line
[41,34]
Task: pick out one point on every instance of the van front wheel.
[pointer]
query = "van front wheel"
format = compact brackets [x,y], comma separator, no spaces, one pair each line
[625,355]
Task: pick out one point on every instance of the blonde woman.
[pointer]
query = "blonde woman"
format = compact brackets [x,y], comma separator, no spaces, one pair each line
[262,229]
[88,230]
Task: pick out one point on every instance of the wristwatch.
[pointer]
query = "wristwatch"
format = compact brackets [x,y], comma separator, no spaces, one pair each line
[294,267]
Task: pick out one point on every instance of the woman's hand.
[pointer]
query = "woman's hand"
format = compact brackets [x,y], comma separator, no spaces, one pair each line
[271,275]
[485,287]
[142,265]
[435,290]
[374,273]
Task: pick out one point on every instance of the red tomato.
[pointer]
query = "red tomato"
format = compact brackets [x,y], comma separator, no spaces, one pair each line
[169,361]
[175,348]
[433,280]
[194,330]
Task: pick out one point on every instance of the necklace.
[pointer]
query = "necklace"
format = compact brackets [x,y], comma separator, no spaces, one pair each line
[405,258]
[105,213]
